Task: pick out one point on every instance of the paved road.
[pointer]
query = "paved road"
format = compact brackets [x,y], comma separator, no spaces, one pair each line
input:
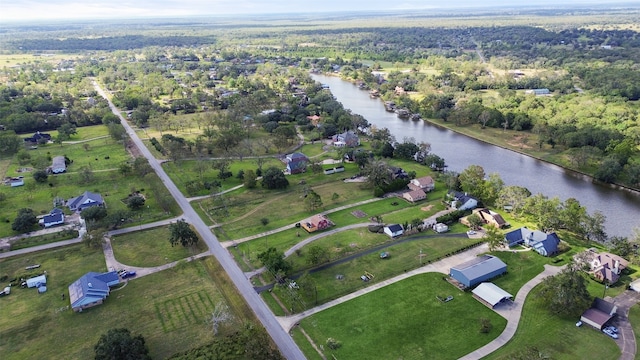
[285,343]
[627,338]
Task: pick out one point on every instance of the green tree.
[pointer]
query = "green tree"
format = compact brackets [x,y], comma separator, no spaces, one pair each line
[94,213]
[494,237]
[312,201]
[86,175]
[40,176]
[10,143]
[66,130]
[565,294]
[93,238]
[250,181]
[135,202]
[514,196]
[117,131]
[119,344]
[593,227]
[475,221]
[182,233]
[141,166]
[621,246]
[472,180]
[273,178]
[317,255]
[377,173]
[25,220]
[275,262]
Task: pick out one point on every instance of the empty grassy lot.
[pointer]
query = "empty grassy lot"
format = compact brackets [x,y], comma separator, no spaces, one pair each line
[39,326]
[151,248]
[404,321]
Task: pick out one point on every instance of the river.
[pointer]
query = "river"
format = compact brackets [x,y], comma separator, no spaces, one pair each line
[621,207]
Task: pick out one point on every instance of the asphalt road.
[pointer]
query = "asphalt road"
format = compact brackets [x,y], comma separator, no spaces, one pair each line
[285,343]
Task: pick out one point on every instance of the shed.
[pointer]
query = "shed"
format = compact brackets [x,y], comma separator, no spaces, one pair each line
[600,312]
[394,230]
[440,228]
[58,165]
[36,281]
[490,294]
[477,270]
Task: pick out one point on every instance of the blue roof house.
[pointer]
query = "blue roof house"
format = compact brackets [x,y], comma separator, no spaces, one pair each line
[86,200]
[463,201]
[296,163]
[543,243]
[91,289]
[477,270]
[55,217]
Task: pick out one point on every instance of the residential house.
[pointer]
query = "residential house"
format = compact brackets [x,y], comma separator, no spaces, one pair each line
[296,163]
[604,266]
[491,217]
[55,217]
[316,223]
[414,195]
[348,139]
[393,230]
[91,289]
[424,183]
[543,243]
[599,314]
[58,165]
[477,270]
[38,137]
[398,173]
[86,200]
[462,201]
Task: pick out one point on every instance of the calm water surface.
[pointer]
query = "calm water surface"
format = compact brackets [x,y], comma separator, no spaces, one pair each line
[622,208]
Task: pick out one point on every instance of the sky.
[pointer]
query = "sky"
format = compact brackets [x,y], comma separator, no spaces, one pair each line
[21,10]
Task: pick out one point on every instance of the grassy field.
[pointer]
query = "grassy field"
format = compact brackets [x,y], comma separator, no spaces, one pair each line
[150,248]
[404,321]
[634,319]
[32,241]
[555,337]
[170,320]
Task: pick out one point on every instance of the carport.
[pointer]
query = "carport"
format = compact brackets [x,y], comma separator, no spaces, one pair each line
[490,294]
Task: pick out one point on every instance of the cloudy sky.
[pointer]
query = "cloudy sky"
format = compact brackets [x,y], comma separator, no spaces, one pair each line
[82,9]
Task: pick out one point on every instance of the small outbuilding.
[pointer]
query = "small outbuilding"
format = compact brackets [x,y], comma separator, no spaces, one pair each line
[490,294]
[37,281]
[58,165]
[440,228]
[477,270]
[393,230]
[599,314]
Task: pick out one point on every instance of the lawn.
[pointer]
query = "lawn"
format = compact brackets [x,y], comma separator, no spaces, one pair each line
[32,241]
[404,321]
[150,248]
[555,337]
[634,319]
[39,326]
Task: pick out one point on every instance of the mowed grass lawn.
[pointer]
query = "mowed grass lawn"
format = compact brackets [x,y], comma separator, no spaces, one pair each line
[555,337]
[150,248]
[168,308]
[404,320]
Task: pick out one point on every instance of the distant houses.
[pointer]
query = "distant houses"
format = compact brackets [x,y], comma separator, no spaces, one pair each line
[414,195]
[348,139]
[538,92]
[462,201]
[86,200]
[605,267]
[91,289]
[38,138]
[543,243]
[424,183]
[316,223]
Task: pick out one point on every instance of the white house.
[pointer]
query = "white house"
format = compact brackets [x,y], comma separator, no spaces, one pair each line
[393,230]
[440,228]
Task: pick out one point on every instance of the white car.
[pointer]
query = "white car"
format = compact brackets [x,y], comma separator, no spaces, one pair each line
[610,333]
[471,232]
[612,328]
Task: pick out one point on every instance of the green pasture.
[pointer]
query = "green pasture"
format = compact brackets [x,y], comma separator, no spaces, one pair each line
[170,320]
[634,319]
[38,240]
[555,337]
[404,320]
[148,248]
[9,60]
[113,187]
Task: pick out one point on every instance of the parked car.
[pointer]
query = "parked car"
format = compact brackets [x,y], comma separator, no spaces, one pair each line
[471,232]
[579,323]
[610,333]
[612,328]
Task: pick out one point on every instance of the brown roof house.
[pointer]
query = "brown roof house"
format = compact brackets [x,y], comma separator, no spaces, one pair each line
[490,217]
[600,312]
[424,183]
[604,266]
[414,195]
[316,223]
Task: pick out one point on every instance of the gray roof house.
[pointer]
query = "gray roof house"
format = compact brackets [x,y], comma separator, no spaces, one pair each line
[543,243]
[477,270]
[58,165]
[55,217]
[91,289]
[348,139]
[296,163]
[462,201]
[86,200]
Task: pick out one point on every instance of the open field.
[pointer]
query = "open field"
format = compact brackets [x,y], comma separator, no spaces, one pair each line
[38,240]
[555,337]
[150,248]
[170,320]
[10,60]
[405,321]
